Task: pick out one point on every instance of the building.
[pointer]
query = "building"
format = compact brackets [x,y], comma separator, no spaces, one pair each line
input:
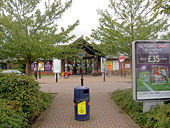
[85,55]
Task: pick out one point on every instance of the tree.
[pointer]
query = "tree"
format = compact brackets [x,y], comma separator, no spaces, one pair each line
[126,21]
[29,33]
[166,36]
[162,6]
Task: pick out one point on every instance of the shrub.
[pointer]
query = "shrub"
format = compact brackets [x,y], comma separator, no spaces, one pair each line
[45,100]
[24,90]
[158,117]
[11,116]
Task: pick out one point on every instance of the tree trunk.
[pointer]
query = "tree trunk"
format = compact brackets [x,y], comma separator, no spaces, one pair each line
[29,68]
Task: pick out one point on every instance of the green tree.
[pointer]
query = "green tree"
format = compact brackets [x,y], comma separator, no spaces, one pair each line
[166,36]
[126,21]
[30,33]
[163,6]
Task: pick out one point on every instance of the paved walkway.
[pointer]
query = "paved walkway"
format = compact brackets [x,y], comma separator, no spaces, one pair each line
[104,113]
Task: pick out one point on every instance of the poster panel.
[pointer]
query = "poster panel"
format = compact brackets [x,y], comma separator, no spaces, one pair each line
[115,65]
[103,64]
[32,66]
[56,66]
[109,65]
[127,65]
[47,66]
[151,69]
[41,66]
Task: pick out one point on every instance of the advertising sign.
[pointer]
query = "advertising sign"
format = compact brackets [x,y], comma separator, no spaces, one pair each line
[41,66]
[127,65]
[47,66]
[103,64]
[109,65]
[32,66]
[151,70]
[56,66]
[115,65]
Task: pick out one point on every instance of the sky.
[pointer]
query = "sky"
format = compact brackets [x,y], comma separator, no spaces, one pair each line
[85,12]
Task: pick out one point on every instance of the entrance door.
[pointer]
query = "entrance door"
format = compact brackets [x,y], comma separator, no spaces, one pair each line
[87,66]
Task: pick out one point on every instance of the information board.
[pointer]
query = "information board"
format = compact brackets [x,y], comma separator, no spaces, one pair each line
[103,64]
[56,66]
[151,70]
[115,65]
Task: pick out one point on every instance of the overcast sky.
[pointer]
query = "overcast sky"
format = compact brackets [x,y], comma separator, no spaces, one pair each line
[85,12]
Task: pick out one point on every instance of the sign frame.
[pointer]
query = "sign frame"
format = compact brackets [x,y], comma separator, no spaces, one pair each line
[135,70]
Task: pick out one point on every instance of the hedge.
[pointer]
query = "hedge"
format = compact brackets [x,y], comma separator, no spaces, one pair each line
[158,117]
[23,96]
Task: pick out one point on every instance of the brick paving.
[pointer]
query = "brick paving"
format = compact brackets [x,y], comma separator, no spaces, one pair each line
[104,113]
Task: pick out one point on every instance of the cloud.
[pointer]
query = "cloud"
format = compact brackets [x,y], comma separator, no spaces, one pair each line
[85,12]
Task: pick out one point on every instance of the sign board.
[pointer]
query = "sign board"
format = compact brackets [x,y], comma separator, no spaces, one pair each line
[47,66]
[127,65]
[41,66]
[56,66]
[151,70]
[103,64]
[109,65]
[121,58]
[115,65]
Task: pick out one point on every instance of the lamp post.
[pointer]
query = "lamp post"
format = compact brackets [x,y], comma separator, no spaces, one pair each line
[81,73]
[81,55]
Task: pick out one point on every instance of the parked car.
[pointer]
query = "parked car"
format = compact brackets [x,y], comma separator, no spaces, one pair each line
[13,71]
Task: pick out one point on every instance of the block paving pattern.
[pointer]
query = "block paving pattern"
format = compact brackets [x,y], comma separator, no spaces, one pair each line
[104,113]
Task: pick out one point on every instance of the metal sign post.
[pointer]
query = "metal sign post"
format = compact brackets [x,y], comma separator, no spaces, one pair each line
[151,72]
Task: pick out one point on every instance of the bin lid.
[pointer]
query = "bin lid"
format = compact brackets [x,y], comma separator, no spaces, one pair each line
[81,88]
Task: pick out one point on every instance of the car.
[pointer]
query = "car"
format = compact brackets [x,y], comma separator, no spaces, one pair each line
[13,71]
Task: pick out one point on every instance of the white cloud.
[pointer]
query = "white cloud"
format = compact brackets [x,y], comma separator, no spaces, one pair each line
[85,12]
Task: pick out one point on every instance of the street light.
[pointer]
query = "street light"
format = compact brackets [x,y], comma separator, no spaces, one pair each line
[81,55]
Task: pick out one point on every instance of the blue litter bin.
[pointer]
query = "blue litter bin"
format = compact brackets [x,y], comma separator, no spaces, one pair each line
[82,103]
